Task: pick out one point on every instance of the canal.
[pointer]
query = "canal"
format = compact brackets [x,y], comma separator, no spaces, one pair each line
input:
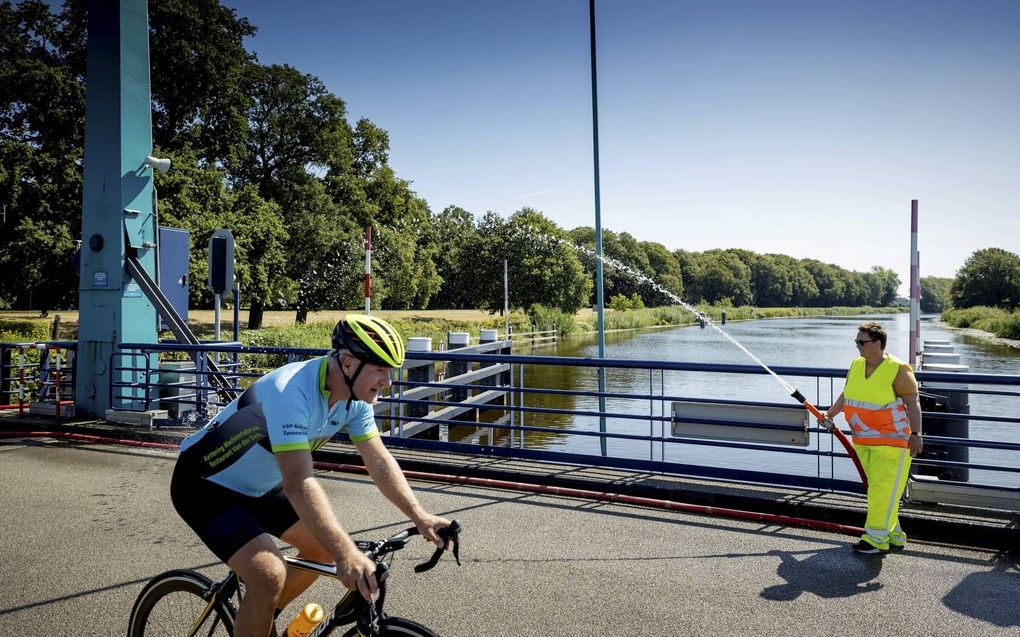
[825,342]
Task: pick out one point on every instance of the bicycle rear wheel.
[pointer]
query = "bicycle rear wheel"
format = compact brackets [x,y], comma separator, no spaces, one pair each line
[173,603]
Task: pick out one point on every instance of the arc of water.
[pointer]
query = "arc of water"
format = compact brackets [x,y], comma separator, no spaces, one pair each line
[794,392]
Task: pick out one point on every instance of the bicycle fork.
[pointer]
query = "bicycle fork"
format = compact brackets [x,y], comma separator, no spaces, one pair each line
[226,587]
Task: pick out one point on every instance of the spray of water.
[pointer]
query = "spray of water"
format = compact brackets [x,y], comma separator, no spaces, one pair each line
[676,299]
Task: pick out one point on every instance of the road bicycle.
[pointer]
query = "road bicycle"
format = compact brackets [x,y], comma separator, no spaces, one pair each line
[184,603]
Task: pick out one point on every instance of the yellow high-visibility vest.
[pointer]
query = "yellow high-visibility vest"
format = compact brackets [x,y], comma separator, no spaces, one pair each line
[876,415]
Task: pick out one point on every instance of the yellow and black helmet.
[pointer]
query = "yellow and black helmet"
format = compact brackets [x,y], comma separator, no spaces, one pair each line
[369,339]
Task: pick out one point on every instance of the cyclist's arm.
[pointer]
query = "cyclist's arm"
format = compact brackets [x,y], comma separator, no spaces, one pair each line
[309,500]
[389,479]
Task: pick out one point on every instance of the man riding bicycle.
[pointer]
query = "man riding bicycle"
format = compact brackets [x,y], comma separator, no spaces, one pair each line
[247,475]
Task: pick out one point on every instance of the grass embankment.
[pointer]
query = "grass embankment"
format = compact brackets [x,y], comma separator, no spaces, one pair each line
[279,329]
[1002,323]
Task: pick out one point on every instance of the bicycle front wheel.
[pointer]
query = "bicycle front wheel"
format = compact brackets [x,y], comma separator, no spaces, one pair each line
[174,604]
[398,627]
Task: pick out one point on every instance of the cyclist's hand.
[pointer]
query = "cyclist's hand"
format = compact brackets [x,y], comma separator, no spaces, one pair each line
[357,572]
[429,525]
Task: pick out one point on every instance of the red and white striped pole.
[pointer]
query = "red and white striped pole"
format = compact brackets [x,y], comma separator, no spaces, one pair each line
[915,285]
[368,269]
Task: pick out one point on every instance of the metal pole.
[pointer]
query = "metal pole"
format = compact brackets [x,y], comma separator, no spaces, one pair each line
[506,301]
[599,304]
[368,269]
[216,315]
[237,312]
[915,293]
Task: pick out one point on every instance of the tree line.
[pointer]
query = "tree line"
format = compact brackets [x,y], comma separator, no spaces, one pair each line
[269,153]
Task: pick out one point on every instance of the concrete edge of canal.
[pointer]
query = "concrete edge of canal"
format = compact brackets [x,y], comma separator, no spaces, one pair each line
[963,526]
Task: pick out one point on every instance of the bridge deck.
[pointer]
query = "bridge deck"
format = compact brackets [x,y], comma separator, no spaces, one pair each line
[86,524]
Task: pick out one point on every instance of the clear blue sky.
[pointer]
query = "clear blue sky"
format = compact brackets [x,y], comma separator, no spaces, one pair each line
[798,127]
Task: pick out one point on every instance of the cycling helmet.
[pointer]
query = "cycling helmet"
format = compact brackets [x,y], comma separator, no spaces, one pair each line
[369,339]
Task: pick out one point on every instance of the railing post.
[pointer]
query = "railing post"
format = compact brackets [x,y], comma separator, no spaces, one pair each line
[418,374]
[21,380]
[457,340]
[56,384]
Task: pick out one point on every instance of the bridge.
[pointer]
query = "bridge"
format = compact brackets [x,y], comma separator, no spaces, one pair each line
[87,523]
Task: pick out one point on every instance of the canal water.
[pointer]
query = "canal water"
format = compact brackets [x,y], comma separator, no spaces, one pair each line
[825,342]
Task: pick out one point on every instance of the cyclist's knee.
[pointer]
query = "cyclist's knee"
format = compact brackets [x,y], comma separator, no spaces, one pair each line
[261,568]
[265,579]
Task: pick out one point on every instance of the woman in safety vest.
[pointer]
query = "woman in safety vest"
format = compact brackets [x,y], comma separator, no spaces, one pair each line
[880,402]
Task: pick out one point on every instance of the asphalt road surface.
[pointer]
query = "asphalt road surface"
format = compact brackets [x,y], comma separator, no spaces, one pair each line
[84,526]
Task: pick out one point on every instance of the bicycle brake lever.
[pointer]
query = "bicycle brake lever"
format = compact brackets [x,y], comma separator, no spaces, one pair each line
[448,534]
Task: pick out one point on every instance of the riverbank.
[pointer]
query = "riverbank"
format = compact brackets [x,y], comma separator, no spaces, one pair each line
[279,328]
[998,322]
[982,335]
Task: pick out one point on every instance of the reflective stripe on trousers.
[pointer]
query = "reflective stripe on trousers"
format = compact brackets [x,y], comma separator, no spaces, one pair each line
[887,469]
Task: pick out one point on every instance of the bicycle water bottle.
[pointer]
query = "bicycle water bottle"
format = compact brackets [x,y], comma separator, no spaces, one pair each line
[306,621]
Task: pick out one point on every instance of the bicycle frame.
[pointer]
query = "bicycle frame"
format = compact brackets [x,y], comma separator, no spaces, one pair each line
[352,605]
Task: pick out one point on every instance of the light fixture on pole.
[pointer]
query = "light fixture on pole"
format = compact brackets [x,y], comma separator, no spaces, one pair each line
[162,165]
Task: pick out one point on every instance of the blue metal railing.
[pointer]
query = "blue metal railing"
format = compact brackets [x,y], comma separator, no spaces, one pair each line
[41,372]
[504,415]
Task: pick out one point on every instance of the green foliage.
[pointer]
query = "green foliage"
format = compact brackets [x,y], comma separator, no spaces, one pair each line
[1003,323]
[23,331]
[545,318]
[935,296]
[649,269]
[456,235]
[990,277]
[621,302]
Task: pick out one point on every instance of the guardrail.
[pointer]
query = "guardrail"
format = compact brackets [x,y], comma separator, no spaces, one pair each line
[506,405]
[38,378]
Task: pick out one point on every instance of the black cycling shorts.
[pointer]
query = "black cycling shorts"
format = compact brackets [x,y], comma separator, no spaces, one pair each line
[226,520]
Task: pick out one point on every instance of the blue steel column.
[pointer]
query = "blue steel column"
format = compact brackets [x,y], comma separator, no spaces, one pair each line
[117,214]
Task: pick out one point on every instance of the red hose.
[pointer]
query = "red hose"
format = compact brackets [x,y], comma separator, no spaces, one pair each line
[603,496]
[842,439]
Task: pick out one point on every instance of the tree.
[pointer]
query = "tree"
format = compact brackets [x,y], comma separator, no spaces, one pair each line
[724,277]
[196,198]
[455,261]
[935,293]
[803,289]
[544,267]
[988,277]
[42,111]
[198,61]
[830,281]
[884,284]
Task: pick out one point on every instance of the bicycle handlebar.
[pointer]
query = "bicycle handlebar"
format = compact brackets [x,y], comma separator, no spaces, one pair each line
[377,550]
[449,535]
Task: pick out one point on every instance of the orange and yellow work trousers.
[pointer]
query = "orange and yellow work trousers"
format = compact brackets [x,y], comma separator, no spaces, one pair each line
[887,469]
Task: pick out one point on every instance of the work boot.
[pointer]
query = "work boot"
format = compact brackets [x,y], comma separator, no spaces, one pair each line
[866,548]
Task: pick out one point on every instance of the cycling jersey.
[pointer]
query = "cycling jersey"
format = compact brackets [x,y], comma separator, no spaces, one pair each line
[285,410]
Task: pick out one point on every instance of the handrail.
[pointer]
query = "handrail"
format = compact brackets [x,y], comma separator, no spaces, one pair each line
[509,418]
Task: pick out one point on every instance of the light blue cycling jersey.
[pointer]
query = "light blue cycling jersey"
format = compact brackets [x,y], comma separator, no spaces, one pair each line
[285,410]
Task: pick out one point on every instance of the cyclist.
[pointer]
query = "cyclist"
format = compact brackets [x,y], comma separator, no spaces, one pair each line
[247,475]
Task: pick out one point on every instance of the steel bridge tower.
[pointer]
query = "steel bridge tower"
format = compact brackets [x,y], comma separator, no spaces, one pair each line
[119,224]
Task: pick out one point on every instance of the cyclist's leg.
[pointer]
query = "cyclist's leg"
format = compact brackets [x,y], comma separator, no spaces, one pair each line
[238,529]
[261,567]
[300,537]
